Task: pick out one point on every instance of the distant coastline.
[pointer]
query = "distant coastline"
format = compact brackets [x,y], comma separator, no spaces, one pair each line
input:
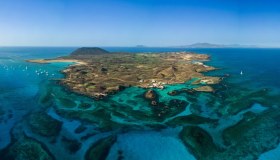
[191,46]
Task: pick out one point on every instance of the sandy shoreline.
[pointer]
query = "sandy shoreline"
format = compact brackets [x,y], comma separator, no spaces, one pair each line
[44,61]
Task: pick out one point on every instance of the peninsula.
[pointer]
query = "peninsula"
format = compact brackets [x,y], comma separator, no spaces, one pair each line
[98,72]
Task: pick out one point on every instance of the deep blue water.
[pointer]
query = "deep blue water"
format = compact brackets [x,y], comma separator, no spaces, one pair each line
[22,83]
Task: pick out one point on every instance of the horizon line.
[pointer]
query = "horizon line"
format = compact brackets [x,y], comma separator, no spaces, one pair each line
[139,46]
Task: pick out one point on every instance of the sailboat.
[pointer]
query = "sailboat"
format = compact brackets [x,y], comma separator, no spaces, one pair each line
[241,73]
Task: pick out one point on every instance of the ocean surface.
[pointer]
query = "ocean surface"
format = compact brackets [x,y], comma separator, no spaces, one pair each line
[41,119]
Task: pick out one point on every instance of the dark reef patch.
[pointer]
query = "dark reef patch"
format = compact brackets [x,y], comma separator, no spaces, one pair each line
[43,124]
[100,149]
[190,119]
[71,145]
[26,149]
[199,142]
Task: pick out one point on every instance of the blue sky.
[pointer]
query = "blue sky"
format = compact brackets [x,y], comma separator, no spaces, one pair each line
[138,22]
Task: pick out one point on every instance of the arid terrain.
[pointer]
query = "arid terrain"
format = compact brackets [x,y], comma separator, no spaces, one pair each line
[98,73]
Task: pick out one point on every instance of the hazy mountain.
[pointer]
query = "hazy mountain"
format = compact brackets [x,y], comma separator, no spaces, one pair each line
[209,45]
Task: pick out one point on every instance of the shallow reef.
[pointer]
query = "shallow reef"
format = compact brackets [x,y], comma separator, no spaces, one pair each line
[26,149]
[43,124]
[100,149]
[224,121]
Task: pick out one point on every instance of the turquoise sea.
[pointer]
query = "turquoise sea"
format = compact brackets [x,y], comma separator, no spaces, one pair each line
[39,119]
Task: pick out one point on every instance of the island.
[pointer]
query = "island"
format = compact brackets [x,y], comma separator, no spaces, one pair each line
[98,73]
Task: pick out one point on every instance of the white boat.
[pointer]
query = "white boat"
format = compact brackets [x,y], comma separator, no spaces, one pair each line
[241,72]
